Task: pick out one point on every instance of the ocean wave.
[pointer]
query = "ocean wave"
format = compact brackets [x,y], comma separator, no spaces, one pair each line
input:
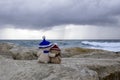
[111,46]
[99,44]
[103,44]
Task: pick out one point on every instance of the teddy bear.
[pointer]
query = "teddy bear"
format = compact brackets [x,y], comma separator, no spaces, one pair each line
[43,53]
[55,54]
[43,57]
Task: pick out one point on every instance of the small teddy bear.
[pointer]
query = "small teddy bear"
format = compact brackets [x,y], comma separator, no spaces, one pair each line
[55,54]
[43,53]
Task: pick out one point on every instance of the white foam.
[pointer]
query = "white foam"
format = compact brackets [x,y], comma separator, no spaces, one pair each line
[111,46]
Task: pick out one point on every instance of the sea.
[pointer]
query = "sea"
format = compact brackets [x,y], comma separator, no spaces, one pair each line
[110,45]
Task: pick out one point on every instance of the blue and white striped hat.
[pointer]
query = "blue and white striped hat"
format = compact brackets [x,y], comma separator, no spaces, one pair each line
[45,43]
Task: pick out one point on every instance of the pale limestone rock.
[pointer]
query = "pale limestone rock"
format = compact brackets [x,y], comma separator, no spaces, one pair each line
[23,53]
[69,69]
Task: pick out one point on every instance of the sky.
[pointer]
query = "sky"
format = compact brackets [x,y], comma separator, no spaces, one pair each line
[60,19]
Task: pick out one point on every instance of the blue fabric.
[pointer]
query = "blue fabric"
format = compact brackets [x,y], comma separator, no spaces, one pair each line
[46,51]
[44,44]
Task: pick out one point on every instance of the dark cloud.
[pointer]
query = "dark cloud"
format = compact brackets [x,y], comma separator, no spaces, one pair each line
[46,13]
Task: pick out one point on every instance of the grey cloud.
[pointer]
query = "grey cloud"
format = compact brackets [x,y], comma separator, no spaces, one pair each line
[37,14]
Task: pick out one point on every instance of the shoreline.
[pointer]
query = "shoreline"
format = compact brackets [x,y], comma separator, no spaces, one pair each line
[30,53]
[109,45]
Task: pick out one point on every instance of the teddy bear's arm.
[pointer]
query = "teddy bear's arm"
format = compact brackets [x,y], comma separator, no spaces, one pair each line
[51,55]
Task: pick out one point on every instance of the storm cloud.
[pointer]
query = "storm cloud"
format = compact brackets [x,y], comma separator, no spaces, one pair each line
[37,14]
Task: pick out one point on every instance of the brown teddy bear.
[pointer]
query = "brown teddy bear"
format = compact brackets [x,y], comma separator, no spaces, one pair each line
[55,54]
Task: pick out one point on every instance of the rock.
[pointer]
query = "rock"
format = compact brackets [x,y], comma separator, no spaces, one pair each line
[12,51]
[107,55]
[85,64]
[88,74]
[1,57]
[69,69]
[24,53]
[5,47]
[76,51]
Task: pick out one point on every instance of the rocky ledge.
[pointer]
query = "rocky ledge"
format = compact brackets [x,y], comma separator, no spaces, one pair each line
[69,69]
[12,51]
[77,64]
